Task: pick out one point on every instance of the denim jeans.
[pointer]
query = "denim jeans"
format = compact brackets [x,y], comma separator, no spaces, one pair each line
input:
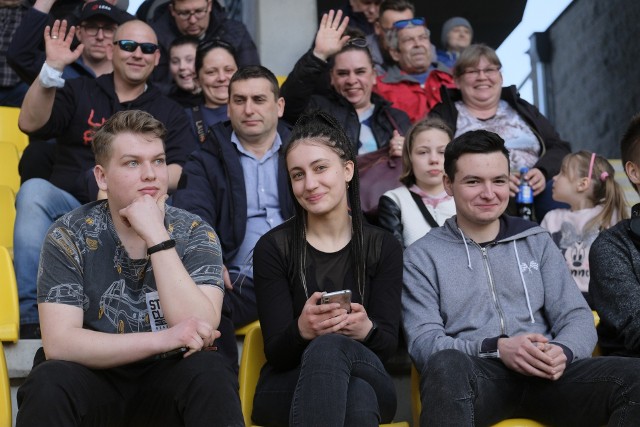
[200,390]
[461,390]
[340,382]
[38,204]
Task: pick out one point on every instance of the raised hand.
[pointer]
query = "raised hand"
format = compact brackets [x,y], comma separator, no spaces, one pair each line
[329,38]
[58,45]
[395,144]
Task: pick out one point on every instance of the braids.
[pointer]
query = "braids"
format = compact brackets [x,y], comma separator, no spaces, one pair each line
[323,128]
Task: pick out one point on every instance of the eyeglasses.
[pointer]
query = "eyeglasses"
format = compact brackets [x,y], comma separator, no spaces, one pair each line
[357,42]
[403,23]
[185,15]
[92,30]
[489,72]
[131,46]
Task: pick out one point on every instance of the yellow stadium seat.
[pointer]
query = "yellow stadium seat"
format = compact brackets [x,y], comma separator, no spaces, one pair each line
[5,392]
[9,131]
[9,159]
[251,362]
[9,309]
[7,216]
[416,406]
[596,320]
[240,332]
[281,80]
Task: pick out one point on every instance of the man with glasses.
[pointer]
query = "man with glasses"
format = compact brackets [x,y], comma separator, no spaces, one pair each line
[390,12]
[98,22]
[413,84]
[204,19]
[71,111]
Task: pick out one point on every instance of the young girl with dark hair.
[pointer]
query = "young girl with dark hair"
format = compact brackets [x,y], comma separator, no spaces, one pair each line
[324,361]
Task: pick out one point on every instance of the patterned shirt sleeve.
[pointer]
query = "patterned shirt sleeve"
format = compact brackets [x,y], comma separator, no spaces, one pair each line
[203,255]
[60,275]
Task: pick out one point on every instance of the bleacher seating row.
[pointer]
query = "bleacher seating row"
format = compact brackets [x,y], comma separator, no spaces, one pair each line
[12,143]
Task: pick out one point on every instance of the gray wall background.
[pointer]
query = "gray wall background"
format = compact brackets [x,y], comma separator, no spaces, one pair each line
[282,29]
[595,73]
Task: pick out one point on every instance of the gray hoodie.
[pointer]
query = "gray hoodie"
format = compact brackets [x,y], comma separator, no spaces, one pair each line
[458,294]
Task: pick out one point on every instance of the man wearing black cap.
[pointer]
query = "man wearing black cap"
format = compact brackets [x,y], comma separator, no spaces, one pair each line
[98,22]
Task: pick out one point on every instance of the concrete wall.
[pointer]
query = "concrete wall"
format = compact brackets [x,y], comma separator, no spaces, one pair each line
[282,29]
[594,72]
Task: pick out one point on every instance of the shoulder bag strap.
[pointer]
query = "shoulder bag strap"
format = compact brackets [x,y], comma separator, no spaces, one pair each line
[425,212]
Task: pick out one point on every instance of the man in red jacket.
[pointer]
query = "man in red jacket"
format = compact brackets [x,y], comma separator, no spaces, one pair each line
[413,85]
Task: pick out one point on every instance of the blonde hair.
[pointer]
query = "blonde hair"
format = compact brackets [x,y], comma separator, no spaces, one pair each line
[605,190]
[132,121]
[407,177]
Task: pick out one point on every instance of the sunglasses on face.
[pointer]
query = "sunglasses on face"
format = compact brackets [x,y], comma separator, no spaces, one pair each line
[403,23]
[131,46]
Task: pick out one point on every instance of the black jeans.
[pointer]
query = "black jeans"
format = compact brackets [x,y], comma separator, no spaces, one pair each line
[340,382]
[200,390]
[462,390]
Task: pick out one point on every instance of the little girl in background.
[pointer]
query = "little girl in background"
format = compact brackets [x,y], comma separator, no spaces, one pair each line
[586,183]
[411,210]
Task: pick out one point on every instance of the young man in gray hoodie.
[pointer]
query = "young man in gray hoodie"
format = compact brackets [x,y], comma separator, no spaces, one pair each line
[493,323]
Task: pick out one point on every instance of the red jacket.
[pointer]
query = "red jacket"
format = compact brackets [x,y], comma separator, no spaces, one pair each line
[406,94]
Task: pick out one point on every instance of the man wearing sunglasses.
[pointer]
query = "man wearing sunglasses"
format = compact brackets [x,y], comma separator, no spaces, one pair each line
[71,111]
[204,19]
[390,12]
[413,84]
[98,22]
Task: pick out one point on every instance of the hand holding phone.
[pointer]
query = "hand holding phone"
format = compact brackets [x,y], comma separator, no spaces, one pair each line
[342,297]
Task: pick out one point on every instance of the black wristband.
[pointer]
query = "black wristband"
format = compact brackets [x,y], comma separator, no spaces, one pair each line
[372,331]
[167,244]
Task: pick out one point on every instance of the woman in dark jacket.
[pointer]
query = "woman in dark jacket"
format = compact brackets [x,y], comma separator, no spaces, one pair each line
[480,102]
[369,120]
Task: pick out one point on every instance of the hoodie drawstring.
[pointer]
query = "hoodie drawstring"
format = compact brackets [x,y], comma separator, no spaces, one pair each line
[524,284]
[466,246]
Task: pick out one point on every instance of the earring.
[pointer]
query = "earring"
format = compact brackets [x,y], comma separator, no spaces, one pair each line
[347,185]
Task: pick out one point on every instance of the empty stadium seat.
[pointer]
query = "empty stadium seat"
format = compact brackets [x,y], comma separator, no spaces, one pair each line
[9,131]
[9,159]
[9,309]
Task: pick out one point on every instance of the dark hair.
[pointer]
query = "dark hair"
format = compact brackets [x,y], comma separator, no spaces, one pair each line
[323,128]
[256,72]
[396,5]
[472,142]
[184,39]
[407,177]
[630,144]
[207,46]
[470,57]
[131,121]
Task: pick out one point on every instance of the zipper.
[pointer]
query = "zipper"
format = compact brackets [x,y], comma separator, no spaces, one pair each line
[492,286]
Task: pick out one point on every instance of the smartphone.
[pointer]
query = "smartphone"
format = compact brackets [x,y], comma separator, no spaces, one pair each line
[171,353]
[341,297]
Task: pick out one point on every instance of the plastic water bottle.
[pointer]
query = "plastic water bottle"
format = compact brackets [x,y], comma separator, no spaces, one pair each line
[524,198]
